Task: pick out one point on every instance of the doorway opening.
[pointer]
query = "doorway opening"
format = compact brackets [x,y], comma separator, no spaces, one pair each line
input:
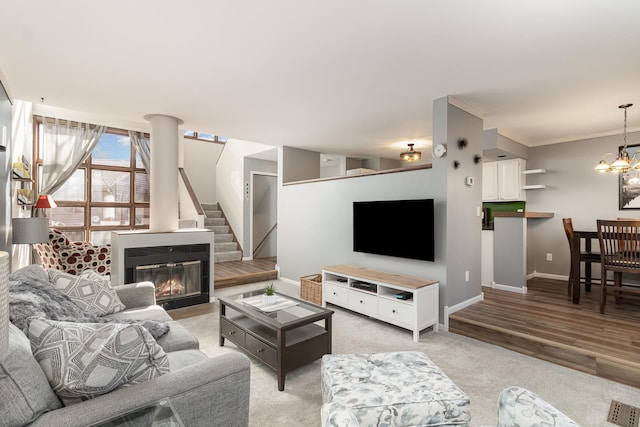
[264,216]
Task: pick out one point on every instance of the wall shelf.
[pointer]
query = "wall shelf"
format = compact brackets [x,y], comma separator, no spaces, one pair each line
[533,171]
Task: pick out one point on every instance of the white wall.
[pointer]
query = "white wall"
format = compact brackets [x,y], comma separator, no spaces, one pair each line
[8,188]
[21,145]
[315,222]
[200,158]
[230,180]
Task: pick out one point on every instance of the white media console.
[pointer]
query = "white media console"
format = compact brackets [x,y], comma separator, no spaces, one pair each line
[405,301]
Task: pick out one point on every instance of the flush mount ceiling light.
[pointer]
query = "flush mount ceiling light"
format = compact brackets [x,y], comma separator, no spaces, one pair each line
[622,162]
[410,155]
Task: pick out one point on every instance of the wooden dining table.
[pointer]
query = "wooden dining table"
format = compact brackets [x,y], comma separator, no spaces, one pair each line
[578,237]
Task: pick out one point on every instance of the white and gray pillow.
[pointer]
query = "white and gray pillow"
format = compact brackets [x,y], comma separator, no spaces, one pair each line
[93,294]
[24,391]
[84,360]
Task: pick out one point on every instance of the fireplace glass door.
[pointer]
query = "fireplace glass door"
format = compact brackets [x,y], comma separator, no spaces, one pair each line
[173,279]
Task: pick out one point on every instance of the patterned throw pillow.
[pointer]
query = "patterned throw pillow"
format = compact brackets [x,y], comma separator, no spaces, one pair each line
[84,360]
[94,295]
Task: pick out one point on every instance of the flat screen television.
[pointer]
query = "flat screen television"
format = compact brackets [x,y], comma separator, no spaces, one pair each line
[400,228]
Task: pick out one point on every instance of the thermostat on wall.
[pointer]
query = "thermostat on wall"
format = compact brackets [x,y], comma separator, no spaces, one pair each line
[469,181]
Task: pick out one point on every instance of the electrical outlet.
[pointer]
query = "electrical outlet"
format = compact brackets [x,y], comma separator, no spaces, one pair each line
[466,276]
[549,257]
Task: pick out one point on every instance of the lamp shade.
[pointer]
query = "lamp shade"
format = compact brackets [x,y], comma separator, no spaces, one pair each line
[45,202]
[4,305]
[30,230]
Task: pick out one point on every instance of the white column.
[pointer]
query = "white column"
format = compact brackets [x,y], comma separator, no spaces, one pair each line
[163,206]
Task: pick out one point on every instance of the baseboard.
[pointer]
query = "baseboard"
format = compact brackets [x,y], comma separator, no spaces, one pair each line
[293,282]
[548,276]
[450,310]
[538,274]
[516,289]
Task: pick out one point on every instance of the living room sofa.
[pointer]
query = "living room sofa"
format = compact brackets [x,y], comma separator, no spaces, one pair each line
[203,391]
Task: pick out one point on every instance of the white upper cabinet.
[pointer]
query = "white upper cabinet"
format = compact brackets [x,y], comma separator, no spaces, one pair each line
[502,181]
[490,181]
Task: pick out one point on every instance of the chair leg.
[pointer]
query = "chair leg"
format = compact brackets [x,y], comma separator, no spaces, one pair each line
[603,290]
[570,284]
[617,281]
[587,277]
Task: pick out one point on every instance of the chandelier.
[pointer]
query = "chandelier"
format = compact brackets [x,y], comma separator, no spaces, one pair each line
[410,155]
[622,162]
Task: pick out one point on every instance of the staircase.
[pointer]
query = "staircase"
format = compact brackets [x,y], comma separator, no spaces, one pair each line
[226,247]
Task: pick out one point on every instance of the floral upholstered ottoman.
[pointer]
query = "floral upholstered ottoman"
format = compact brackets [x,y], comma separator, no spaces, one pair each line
[389,389]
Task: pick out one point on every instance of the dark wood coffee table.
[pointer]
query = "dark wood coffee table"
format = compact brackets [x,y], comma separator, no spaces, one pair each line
[282,338]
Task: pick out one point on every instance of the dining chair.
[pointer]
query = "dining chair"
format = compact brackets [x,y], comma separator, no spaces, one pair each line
[586,256]
[619,253]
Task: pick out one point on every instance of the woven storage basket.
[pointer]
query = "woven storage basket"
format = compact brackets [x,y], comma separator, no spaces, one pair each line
[311,288]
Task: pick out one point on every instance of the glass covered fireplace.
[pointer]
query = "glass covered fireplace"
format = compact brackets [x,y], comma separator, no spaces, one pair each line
[172,279]
[179,273]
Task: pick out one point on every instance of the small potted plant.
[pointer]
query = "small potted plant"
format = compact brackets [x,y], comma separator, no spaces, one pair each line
[269,296]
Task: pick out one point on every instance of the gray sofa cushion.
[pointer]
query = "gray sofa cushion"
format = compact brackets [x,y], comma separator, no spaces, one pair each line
[150,312]
[24,390]
[183,358]
[92,294]
[178,338]
[89,359]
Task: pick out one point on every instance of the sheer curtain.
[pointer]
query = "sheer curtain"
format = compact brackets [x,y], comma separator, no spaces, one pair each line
[63,148]
[141,144]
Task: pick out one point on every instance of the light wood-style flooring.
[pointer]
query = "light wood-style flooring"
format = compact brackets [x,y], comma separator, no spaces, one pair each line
[241,272]
[545,324]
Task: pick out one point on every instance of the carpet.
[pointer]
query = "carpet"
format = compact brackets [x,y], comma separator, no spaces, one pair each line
[481,370]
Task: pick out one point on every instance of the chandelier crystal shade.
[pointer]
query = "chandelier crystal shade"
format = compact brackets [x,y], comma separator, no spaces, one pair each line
[622,162]
[410,155]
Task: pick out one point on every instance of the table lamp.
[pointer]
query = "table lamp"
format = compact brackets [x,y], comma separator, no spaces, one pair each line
[29,231]
[4,305]
[45,201]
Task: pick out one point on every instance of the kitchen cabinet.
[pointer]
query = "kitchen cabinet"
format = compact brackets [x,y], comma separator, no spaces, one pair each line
[502,180]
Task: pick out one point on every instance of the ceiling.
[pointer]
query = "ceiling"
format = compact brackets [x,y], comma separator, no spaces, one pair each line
[354,77]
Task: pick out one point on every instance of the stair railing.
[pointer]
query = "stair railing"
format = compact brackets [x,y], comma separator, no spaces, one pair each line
[264,239]
[194,206]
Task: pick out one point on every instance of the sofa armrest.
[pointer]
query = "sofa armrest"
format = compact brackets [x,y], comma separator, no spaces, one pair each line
[141,294]
[214,392]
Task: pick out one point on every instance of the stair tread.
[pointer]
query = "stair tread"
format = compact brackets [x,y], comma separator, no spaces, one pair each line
[227,256]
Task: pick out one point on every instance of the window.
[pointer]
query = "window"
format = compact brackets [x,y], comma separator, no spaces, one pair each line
[190,134]
[110,191]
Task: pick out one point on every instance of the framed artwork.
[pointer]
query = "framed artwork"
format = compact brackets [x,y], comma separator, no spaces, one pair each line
[25,196]
[629,184]
[21,171]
